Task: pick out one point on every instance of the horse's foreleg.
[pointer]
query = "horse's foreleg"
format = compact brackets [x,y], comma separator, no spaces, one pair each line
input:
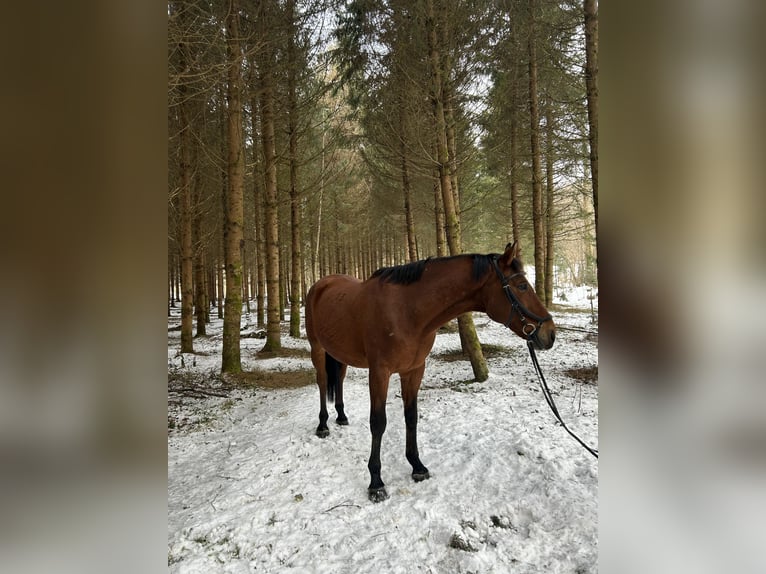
[378,393]
[410,386]
[318,359]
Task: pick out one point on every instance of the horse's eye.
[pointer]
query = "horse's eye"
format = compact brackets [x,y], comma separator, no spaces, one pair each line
[523,287]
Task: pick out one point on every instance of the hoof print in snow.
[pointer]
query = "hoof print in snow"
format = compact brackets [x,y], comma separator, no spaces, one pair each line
[501,522]
[457,542]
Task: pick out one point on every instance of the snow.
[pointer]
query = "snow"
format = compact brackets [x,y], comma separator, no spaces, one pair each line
[252,489]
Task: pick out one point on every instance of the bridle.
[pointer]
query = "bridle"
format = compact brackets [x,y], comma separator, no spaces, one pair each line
[517,306]
[524,313]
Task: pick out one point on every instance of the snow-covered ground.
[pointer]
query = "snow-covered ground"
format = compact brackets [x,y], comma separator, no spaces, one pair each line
[252,489]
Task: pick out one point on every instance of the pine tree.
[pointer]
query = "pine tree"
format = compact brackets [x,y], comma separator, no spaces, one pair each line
[233,236]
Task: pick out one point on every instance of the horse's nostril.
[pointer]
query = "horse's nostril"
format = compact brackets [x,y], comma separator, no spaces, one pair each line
[553,336]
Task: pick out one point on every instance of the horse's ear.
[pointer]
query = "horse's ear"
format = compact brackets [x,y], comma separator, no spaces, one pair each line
[511,251]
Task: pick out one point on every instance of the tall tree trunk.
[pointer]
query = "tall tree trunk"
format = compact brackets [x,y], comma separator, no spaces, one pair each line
[441,237]
[185,173]
[199,262]
[271,214]
[284,279]
[224,172]
[219,272]
[234,215]
[514,152]
[591,88]
[258,201]
[449,122]
[212,292]
[514,177]
[412,250]
[549,162]
[336,232]
[448,99]
[317,267]
[171,282]
[466,327]
[245,274]
[537,185]
[295,205]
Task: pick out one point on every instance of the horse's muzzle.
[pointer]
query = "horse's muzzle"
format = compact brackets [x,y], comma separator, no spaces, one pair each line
[544,342]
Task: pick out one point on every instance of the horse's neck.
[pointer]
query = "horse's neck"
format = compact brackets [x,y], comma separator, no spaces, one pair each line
[444,296]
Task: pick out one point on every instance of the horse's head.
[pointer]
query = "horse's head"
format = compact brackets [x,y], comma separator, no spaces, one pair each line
[512,301]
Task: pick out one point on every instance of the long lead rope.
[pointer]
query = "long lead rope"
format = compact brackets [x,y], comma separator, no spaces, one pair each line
[549,399]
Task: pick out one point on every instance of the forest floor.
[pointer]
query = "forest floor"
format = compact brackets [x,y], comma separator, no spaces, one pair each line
[252,489]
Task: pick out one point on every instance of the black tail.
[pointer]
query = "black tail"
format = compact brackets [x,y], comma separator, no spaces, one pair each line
[332,368]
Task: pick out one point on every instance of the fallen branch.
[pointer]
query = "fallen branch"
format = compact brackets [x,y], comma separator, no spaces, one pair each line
[578,329]
[196,392]
[342,504]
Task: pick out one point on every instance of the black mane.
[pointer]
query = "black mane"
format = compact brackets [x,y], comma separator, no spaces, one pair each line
[412,272]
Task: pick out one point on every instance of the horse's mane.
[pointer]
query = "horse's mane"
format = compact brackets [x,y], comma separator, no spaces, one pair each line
[412,272]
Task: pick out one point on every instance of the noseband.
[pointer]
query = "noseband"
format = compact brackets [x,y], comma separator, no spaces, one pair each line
[517,306]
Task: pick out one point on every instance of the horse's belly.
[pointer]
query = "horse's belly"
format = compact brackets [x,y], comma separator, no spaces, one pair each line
[348,355]
[340,341]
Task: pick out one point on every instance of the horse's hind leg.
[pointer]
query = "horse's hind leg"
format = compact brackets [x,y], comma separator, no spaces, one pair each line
[342,418]
[318,359]
[410,386]
[336,372]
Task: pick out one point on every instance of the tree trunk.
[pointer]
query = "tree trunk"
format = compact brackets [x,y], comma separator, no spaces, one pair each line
[591,88]
[245,273]
[295,206]
[317,267]
[212,292]
[336,232]
[449,122]
[224,172]
[258,197]
[219,273]
[549,163]
[171,282]
[514,152]
[537,187]
[284,280]
[441,238]
[185,173]
[454,241]
[200,292]
[514,177]
[199,262]
[271,214]
[234,215]
[412,250]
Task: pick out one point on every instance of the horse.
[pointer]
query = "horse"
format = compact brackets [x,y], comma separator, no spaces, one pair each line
[388,324]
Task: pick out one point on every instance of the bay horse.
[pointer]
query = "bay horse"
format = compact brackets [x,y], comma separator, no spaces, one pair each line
[388,324]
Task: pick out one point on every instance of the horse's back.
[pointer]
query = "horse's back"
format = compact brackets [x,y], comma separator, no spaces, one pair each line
[331,290]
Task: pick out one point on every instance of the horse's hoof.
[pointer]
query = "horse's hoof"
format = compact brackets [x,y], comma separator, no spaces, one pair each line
[323,432]
[377,494]
[420,476]
[342,421]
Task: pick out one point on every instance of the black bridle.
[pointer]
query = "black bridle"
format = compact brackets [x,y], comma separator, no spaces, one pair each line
[524,313]
[517,306]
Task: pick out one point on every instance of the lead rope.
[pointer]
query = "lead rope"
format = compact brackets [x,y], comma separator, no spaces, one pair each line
[549,399]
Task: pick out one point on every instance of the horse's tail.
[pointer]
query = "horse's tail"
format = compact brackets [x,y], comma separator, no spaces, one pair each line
[332,368]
